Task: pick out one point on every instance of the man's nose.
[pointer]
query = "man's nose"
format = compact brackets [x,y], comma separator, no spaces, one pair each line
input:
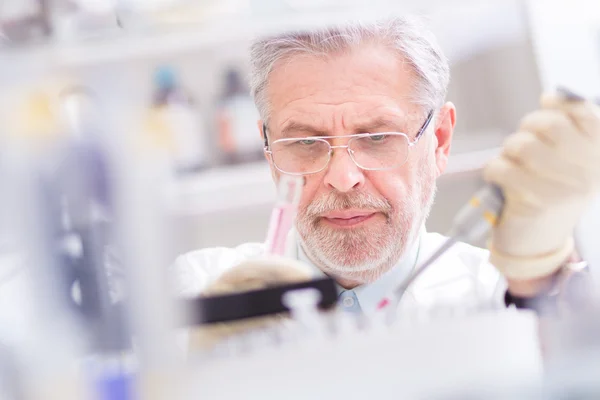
[342,173]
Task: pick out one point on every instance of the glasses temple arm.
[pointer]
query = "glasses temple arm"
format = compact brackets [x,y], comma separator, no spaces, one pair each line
[425,125]
[265,138]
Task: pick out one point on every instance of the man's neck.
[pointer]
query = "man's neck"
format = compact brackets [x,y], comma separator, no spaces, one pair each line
[348,284]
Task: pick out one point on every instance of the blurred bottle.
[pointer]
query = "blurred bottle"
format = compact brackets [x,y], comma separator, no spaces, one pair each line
[84,19]
[173,108]
[237,120]
[25,21]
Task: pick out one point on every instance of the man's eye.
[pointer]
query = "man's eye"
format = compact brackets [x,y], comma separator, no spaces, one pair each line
[377,138]
[307,142]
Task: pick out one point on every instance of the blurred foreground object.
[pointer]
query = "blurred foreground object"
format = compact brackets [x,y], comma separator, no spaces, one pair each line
[253,274]
[76,20]
[283,215]
[25,21]
[45,174]
[178,121]
[411,359]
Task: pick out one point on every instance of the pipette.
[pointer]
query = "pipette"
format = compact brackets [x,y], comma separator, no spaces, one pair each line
[476,219]
[284,212]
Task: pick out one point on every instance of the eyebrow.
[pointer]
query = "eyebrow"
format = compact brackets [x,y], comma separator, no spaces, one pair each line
[388,124]
[293,128]
[381,123]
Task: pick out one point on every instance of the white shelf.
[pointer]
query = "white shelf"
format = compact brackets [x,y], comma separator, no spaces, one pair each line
[213,31]
[208,33]
[223,189]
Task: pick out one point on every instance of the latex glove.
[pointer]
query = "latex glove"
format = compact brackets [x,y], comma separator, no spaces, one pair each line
[549,171]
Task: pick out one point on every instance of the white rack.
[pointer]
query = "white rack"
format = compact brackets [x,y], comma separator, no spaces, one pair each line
[436,359]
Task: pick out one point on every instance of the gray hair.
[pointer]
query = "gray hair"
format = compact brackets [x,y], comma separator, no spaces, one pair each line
[406,35]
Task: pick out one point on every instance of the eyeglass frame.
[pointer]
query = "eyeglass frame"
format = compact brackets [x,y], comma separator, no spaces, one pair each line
[411,143]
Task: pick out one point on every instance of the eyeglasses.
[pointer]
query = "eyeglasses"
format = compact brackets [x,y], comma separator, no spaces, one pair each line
[369,151]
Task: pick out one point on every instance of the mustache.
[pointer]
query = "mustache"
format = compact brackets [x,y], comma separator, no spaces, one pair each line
[335,201]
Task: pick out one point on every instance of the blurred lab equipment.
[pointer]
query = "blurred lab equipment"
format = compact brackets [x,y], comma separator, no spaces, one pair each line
[10,387]
[257,303]
[236,121]
[251,299]
[82,199]
[36,21]
[46,175]
[25,21]
[77,219]
[77,20]
[585,239]
[411,359]
[284,213]
[183,124]
[251,275]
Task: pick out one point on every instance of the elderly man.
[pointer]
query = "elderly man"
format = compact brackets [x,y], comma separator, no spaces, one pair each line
[360,112]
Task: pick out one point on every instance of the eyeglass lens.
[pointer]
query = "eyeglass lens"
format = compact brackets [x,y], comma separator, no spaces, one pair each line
[305,156]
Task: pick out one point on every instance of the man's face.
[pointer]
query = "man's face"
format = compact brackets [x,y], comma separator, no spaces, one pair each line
[353,223]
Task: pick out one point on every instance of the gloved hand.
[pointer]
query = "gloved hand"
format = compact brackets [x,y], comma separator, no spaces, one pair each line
[549,171]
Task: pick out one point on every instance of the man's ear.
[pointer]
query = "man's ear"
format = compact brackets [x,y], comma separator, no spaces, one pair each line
[444,129]
[260,125]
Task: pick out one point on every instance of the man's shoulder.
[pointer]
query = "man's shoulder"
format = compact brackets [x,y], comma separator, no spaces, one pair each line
[195,270]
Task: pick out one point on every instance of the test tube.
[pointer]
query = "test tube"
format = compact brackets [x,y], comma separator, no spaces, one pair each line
[284,213]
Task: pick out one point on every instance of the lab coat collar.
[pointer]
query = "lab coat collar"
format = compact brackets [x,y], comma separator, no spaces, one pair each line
[369,295]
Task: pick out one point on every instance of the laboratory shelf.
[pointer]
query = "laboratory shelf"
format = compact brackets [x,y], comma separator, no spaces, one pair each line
[210,32]
[162,41]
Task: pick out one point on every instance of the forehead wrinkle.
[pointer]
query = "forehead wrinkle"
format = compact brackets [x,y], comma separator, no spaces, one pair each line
[379,118]
[299,119]
[305,129]
[298,98]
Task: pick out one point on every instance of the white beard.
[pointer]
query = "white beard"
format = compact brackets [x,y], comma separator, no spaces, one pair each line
[335,251]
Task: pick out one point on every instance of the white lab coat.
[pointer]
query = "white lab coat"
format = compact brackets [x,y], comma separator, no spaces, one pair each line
[462,277]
